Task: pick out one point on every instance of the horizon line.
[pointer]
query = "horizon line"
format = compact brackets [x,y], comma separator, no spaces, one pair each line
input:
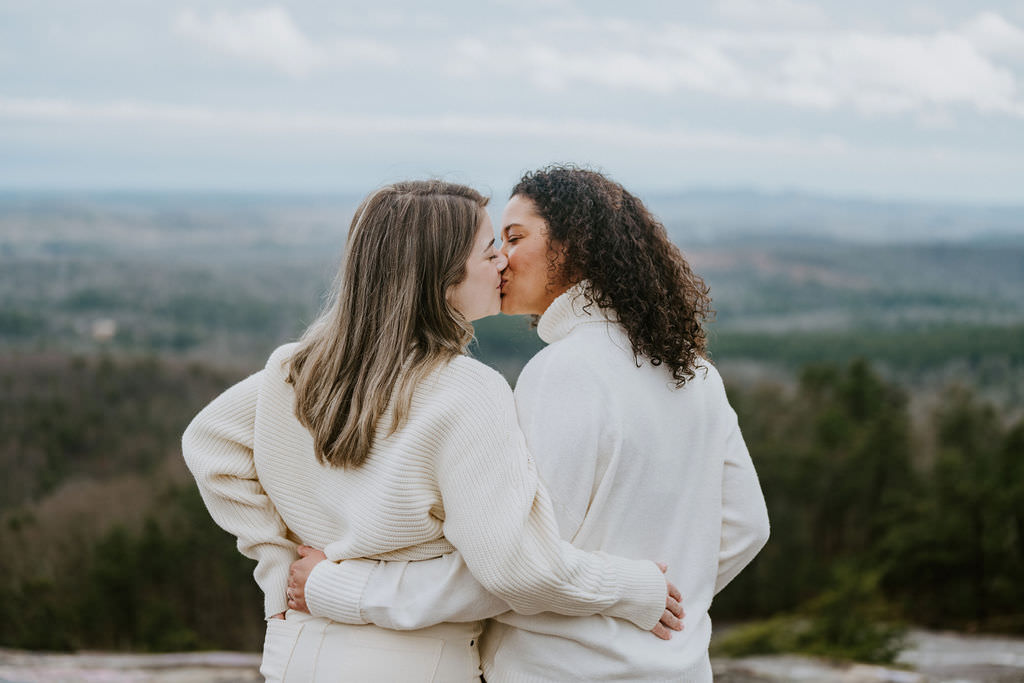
[652,193]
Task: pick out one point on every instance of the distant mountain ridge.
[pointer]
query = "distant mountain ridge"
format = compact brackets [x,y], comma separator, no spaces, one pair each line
[717,215]
[690,215]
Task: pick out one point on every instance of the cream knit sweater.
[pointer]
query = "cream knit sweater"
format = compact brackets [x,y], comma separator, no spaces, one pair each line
[456,475]
[635,467]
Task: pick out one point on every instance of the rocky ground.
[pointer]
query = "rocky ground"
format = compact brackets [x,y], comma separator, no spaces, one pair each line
[931,658]
[198,667]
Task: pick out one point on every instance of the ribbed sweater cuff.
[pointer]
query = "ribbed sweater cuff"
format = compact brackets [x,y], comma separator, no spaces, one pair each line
[272,577]
[643,593]
[335,590]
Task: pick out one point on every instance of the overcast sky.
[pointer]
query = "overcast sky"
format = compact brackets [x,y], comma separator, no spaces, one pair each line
[869,98]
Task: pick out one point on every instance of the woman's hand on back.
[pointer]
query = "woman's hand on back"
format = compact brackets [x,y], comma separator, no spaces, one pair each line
[672,617]
[298,574]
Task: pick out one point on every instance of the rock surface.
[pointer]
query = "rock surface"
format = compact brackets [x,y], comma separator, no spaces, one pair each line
[930,658]
[963,657]
[193,667]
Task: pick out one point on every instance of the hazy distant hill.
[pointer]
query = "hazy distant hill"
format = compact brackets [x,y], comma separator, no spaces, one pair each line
[691,216]
[710,216]
[227,277]
[172,224]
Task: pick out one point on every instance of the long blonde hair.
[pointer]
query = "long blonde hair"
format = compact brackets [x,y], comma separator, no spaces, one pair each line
[389,324]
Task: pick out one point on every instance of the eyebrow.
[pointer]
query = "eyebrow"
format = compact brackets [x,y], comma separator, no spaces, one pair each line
[489,244]
[504,231]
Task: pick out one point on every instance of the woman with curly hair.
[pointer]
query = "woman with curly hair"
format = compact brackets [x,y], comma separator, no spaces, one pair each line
[631,431]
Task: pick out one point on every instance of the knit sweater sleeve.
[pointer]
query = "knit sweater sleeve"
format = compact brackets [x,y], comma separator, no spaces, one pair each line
[400,595]
[502,520]
[744,513]
[217,446]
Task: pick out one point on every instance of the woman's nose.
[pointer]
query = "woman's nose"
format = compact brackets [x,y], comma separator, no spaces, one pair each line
[502,261]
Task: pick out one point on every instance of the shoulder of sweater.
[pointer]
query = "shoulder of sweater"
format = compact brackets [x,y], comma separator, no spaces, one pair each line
[704,368]
[281,355]
[579,363]
[236,402]
[468,375]
[239,395]
[584,351]
[570,367]
[465,391]
[708,381]
[273,386]
[708,373]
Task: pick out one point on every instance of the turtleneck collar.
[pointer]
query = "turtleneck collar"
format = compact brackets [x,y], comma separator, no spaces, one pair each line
[569,310]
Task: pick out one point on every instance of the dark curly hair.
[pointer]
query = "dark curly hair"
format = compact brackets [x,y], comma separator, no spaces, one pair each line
[611,241]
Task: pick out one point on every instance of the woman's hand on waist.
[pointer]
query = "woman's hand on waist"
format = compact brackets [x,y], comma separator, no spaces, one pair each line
[298,574]
[672,617]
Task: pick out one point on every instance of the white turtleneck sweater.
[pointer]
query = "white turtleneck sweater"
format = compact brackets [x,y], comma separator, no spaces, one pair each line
[635,467]
[456,475]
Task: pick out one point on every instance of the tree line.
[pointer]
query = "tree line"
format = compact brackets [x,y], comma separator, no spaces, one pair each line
[892,521]
[877,508]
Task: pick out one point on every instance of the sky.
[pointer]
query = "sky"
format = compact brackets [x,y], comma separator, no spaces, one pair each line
[886,100]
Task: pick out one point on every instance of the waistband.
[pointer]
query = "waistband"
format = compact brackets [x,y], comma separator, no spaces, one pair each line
[447,631]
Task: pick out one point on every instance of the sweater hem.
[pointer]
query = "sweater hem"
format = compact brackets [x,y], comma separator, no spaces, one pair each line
[697,673]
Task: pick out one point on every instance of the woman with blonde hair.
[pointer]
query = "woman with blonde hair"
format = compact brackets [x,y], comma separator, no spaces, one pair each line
[633,435]
[376,437]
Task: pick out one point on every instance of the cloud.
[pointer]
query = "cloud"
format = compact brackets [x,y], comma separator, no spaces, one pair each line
[884,74]
[789,13]
[268,36]
[695,66]
[237,122]
[926,16]
[873,73]
[992,34]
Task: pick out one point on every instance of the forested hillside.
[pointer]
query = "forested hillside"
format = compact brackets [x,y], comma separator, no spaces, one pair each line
[880,388]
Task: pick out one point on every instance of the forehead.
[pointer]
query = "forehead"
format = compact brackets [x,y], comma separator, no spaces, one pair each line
[485,228]
[521,211]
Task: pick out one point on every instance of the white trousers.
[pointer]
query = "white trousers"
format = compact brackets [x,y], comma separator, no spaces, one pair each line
[304,649]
